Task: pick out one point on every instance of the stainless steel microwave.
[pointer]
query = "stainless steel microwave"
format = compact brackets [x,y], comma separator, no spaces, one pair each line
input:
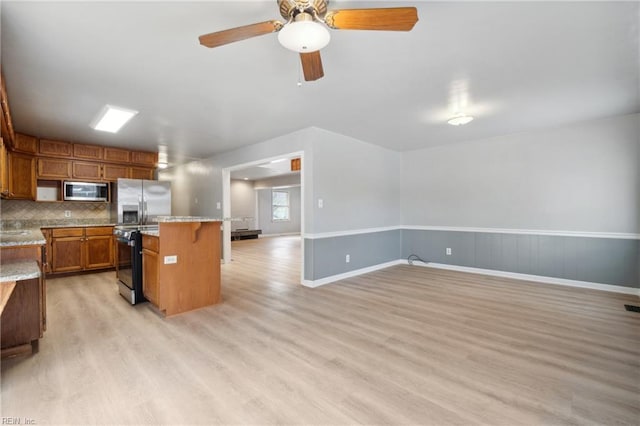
[86,191]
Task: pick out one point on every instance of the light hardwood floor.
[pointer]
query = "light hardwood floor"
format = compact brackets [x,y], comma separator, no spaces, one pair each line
[404,345]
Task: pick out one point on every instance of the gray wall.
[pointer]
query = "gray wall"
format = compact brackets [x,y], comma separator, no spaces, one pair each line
[243,204]
[265,223]
[583,177]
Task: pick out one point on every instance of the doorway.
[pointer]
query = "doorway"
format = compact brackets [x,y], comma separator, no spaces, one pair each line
[264,199]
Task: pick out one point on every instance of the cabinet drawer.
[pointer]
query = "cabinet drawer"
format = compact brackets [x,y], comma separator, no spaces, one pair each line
[67,232]
[151,243]
[102,230]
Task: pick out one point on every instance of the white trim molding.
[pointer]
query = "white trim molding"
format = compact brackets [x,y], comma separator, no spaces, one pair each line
[522,277]
[584,234]
[350,274]
[350,232]
[527,277]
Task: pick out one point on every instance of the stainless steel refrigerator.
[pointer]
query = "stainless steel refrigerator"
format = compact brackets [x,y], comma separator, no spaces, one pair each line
[140,202]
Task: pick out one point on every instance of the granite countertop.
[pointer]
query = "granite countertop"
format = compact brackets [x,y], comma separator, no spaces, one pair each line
[78,225]
[20,270]
[21,237]
[153,233]
[170,219]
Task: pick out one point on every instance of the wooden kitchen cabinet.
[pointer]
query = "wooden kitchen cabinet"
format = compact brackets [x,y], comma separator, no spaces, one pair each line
[55,148]
[150,266]
[24,318]
[141,173]
[22,176]
[86,170]
[4,169]
[98,246]
[117,155]
[54,168]
[144,157]
[112,172]
[81,249]
[67,249]
[25,143]
[88,152]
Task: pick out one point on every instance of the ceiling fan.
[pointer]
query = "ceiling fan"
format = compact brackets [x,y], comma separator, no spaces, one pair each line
[305,30]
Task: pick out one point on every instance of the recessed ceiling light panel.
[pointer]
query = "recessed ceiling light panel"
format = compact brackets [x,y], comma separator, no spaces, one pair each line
[112,118]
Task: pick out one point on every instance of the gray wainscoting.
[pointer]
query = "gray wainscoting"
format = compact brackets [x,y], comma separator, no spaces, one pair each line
[325,257]
[597,260]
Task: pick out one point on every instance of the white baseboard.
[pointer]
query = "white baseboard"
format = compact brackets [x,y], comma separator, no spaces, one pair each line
[286,234]
[354,273]
[527,277]
[491,272]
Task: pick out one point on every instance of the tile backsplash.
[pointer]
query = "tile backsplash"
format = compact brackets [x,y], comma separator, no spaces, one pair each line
[15,212]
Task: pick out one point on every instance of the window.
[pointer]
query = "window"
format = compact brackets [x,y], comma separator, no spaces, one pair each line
[279,205]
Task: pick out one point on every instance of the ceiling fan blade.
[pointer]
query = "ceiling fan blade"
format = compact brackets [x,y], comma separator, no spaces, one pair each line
[387,19]
[312,65]
[240,33]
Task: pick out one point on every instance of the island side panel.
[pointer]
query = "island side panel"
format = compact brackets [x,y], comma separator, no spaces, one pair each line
[194,280]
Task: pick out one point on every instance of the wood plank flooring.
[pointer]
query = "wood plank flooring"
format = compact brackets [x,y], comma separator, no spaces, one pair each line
[404,345]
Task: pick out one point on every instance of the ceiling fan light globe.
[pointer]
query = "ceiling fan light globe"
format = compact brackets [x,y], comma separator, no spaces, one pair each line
[304,36]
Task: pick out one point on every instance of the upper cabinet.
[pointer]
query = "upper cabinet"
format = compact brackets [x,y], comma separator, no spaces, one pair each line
[25,143]
[55,148]
[88,152]
[117,155]
[22,176]
[144,157]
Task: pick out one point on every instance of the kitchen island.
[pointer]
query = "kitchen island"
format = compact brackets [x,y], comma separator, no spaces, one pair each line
[181,263]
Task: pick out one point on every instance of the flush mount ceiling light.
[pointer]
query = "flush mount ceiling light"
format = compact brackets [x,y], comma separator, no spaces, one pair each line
[304,34]
[460,119]
[112,118]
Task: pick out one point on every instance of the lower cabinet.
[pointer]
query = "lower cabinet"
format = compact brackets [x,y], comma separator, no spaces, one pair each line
[150,281]
[80,249]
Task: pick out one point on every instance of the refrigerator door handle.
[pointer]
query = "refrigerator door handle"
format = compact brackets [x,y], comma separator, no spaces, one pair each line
[145,213]
[140,211]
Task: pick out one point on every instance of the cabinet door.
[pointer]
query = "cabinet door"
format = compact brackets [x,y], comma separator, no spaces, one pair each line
[22,176]
[47,251]
[90,152]
[53,168]
[98,252]
[4,169]
[55,148]
[144,157]
[67,254]
[141,173]
[25,143]
[117,155]
[91,171]
[114,171]
[150,282]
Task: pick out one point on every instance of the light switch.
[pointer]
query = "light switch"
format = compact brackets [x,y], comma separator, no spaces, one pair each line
[218,205]
[320,203]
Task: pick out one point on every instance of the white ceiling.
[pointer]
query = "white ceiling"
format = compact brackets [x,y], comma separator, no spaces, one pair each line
[515,66]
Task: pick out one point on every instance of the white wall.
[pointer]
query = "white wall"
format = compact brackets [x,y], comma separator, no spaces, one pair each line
[358,182]
[583,177]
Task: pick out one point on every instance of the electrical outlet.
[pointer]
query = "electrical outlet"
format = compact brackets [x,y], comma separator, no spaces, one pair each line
[347,258]
[320,203]
[196,200]
[168,260]
[67,213]
[448,251]
[218,205]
